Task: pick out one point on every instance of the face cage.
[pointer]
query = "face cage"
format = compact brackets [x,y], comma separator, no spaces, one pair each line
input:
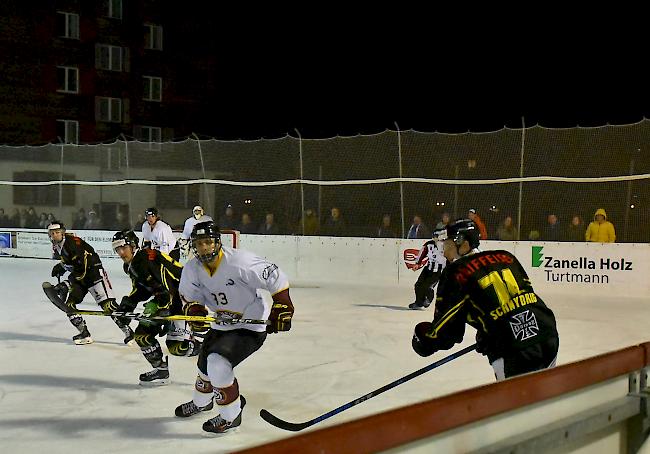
[206,258]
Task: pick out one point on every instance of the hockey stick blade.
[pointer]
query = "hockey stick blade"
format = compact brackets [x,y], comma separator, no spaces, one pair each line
[295,427]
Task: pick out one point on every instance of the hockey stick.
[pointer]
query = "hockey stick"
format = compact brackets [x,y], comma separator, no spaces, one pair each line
[189,318]
[292,426]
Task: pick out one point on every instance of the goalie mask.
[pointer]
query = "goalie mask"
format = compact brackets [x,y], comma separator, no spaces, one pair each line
[206,241]
[197,211]
[56,232]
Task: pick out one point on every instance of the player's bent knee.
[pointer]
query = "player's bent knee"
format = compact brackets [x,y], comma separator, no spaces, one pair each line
[178,348]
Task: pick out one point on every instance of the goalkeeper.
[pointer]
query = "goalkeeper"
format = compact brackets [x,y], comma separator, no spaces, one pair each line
[155,275]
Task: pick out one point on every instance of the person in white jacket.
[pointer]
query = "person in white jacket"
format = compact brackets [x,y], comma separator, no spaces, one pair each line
[158,234]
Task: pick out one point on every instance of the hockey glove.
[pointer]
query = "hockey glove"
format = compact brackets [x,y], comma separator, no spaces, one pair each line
[422,344]
[58,270]
[152,309]
[126,305]
[197,310]
[280,317]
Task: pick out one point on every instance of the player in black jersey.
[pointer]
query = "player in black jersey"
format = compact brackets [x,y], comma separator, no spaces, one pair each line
[155,275]
[490,291]
[86,275]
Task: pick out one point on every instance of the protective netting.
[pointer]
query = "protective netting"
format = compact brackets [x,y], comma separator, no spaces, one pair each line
[299,181]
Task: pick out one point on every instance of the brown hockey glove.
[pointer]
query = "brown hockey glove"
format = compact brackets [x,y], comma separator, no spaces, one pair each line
[197,310]
[280,317]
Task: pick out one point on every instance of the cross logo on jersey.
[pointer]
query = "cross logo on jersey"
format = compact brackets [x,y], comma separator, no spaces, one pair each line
[525,325]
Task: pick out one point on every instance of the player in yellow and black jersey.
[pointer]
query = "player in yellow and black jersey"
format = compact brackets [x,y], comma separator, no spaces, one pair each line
[154,275]
[490,291]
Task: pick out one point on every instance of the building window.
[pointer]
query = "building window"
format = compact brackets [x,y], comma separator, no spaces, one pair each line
[153,37]
[67,25]
[43,195]
[108,109]
[113,8]
[152,88]
[148,133]
[67,131]
[67,79]
[109,57]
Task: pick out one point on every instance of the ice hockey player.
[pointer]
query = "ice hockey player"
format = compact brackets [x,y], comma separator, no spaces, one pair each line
[198,215]
[158,234]
[154,275]
[491,292]
[227,280]
[87,274]
[425,286]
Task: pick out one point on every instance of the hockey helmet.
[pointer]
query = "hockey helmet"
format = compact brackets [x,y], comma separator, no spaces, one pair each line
[463,230]
[124,237]
[197,211]
[153,211]
[203,230]
[56,226]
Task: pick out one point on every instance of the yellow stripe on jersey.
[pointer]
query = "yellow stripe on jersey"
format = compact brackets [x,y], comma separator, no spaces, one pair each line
[219,258]
[445,318]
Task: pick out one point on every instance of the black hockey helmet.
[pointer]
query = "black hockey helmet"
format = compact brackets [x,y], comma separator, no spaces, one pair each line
[463,230]
[202,230]
[124,237]
[440,234]
[153,211]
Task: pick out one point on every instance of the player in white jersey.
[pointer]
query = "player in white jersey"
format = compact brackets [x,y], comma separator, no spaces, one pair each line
[198,215]
[158,235]
[227,281]
[430,275]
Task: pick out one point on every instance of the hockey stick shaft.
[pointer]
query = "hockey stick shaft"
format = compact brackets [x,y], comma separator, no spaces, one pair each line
[189,318]
[277,422]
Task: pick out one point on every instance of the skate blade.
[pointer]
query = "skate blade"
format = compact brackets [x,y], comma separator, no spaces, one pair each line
[207,434]
[87,340]
[153,384]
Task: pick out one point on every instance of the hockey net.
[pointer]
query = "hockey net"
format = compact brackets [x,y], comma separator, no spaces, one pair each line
[525,174]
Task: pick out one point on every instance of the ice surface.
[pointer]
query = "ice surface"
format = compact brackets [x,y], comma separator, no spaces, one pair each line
[346,341]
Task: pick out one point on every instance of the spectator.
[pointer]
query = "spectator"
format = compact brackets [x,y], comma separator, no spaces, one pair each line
[335,224]
[247,225]
[14,220]
[552,231]
[418,229]
[31,219]
[600,230]
[444,222]
[269,227]
[93,222]
[385,229]
[507,231]
[79,220]
[576,229]
[228,221]
[311,226]
[479,223]
[42,221]
[120,222]
[139,221]
[4,219]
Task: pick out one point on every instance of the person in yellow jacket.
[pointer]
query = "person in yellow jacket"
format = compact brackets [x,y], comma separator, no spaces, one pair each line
[600,230]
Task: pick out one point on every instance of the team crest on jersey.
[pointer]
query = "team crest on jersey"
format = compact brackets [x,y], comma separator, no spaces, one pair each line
[230,282]
[524,325]
[268,270]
